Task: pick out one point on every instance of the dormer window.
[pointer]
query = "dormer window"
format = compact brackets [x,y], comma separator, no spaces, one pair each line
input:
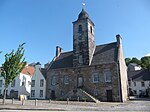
[80,29]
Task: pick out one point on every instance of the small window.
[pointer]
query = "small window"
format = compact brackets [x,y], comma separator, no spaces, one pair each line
[91,30]
[1,83]
[80,59]
[33,83]
[80,29]
[142,84]
[23,83]
[66,79]
[108,75]
[41,93]
[13,83]
[32,93]
[54,80]
[0,91]
[129,83]
[95,92]
[29,83]
[95,77]
[61,93]
[134,92]
[41,82]
[134,83]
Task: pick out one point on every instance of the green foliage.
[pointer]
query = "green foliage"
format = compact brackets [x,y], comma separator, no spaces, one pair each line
[145,62]
[127,60]
[135,60]
[13,65]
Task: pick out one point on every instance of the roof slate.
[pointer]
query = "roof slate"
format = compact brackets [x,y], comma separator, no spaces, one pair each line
[103,54]
[140,75]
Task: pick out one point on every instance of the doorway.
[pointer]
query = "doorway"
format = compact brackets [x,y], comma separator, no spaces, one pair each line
[109,95]
[80,82]
[53,97]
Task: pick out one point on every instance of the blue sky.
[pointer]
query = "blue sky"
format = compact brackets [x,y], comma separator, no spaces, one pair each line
[44,24]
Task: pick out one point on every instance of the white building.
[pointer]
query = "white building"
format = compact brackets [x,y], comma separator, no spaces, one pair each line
[139,82]
[134,67]
[21,85]
[38,85]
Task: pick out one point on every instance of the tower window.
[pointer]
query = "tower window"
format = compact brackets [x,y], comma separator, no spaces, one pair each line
[80,29]
[80,59]
[91,30]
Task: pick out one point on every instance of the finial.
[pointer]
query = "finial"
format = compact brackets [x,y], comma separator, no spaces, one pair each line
[83,5]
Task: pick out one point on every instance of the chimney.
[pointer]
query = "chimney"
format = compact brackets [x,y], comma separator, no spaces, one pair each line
[119,39]
[58,51]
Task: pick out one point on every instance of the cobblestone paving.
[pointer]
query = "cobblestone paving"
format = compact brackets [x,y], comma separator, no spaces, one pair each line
[44,105]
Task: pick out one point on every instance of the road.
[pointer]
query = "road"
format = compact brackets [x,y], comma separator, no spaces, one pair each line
[44,105]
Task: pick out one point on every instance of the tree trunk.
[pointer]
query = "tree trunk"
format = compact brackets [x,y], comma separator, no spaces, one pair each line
[4,97]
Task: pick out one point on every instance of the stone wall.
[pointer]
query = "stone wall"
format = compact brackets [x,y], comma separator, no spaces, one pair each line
[98,90]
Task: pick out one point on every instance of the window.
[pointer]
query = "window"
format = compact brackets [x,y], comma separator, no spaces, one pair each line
[54,80]
[1,83]
[41,82]
[66,79]
[13,83]
[41,93]
[108,75]
[23,83]
[80,29]
[95,77]
[0,91]
[33,83]
[91,30]
[142,84]
[134,92]
[32,93]
[80,59]
[29,83]
[95,92]
[129,83]
[134,83]
[61,93]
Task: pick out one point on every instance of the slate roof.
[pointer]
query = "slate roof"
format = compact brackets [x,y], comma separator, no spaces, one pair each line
[140,75]
[103,54]
[65,60]
[43,71]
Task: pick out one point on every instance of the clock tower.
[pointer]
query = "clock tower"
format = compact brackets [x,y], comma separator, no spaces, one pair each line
[83,40]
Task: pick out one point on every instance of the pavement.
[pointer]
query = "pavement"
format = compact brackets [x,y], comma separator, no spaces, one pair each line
[45,105]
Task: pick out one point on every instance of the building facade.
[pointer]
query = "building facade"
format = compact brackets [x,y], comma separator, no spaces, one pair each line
[94,73]
[21,85]
[139,82]
[38,83]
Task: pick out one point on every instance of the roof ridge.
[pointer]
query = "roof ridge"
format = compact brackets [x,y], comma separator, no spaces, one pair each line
[106,44]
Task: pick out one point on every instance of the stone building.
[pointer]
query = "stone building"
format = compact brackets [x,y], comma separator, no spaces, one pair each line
[94,73]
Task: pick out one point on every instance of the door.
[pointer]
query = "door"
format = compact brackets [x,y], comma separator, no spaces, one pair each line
[109,95]
[80,82]
[53,97]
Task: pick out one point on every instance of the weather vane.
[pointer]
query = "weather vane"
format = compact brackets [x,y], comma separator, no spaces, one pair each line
[83,4]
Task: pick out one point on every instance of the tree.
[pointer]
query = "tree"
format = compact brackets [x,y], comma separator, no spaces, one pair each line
[13,65]
[145,62]
[135,60]
[128,60]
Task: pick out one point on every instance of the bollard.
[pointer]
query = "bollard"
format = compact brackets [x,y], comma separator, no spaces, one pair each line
[49,100]
[12,100]
[35,102]
[23,102]
[67,100]
[78,99]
